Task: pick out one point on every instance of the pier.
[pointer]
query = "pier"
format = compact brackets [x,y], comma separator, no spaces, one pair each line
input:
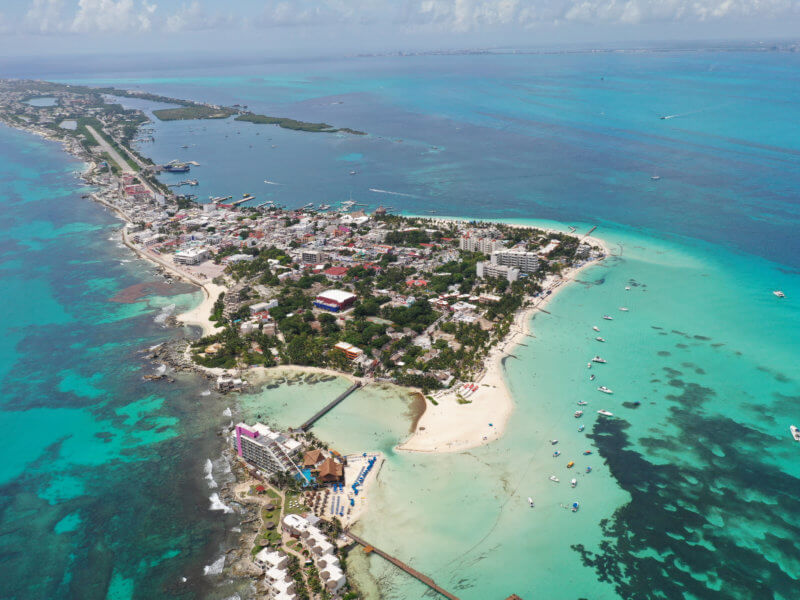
[403,566]
[328,407]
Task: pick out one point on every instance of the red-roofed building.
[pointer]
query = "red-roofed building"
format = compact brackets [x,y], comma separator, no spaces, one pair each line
[335,273]
[416,283]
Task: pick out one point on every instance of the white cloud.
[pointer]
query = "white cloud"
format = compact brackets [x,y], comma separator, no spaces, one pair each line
[193,17]
[44,16]
[104,16]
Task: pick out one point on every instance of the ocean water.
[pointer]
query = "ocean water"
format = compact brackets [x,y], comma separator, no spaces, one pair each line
[101,488]
[694,493]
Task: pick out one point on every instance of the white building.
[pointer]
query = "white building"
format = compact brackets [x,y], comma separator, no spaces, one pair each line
[485,269]
[526,262]
[479,244]
[270,451]
[312,257]
[191,256]
[322,551]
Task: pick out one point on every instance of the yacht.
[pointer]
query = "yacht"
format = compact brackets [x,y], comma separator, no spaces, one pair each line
[605,390]
[795,432]
[578,414]
[530,501]
[597,359]
[595,327]
[574,482]
[608,318]
[623,308]
[599,339]
[554,478]
[779,294]
[605,413]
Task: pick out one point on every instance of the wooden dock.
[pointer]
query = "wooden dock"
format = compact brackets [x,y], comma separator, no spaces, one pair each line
[328,407]
[403,566]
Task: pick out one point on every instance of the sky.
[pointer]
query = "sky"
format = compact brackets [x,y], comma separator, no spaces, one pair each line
[339,27]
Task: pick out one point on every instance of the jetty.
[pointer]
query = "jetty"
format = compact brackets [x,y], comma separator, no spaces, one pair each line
[401,565]
[245,198]
[329,407]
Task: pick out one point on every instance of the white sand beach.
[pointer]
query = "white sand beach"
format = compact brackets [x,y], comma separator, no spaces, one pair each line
[453,427]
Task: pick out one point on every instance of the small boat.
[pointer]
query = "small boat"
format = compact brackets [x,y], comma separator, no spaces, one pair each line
[530,501]
[587,452]
[553,442]
[795,432]
[627,288]
[623,308]
[581,427]
[554,478]
[591,377]
[575,507]
[556,454]
[605,390]
[353,172]
[655,177]
[605,413]
[570,464]
[597,359]
[588,365]
[588,469]
[595,327]
[779,294]
[578,414]
[599,339]
[573,482]
[608,318]
[582,403]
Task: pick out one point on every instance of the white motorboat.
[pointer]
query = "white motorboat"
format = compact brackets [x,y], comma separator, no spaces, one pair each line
[574,482]
[605,390]
[595,327]
[795,432]
[592,377]
[582,403]
[553,442]
[779,294]
[605,413]
[599,339]
[627,288]
[578,414]
[588,365]
[623,308]
[655,177]
[554,478]
[608,318]
[581,428]
[597,359]
[530,501]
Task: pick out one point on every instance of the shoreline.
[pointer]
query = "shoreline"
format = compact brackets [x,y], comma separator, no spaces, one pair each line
[450,426]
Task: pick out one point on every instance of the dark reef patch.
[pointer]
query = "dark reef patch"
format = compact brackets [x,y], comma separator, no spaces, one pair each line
[664,353]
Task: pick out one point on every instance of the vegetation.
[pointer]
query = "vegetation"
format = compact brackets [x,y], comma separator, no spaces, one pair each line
[195,111]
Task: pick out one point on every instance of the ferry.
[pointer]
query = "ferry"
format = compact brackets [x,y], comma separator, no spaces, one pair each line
[608,318]
[573,483]
[779,294]
[605,390]
[599,339]
[595,327]
[530,501]
[578,414]
[554,479]
[795,432]
[597,359]
[623,308]
[605,413]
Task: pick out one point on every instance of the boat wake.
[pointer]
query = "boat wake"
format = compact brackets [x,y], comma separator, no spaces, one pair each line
[268,182]
[377,191]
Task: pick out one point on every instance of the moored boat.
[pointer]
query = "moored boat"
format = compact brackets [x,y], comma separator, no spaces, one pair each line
[623,308]
[605,390]
[779,294]
[605,413]
[608,318]
[595,327]
[597,359]
[530,501]
[795,432]
[554,479]
[578,414]
[573,482]
[570,464]
[599,339]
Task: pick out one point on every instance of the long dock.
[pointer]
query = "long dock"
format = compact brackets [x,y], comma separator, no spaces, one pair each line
[403,566]
[328,407]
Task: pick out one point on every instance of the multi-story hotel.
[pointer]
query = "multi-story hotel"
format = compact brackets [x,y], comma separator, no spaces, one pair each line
[270,451]
[526,262]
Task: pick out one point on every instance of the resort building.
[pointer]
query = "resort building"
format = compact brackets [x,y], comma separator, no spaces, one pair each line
[322,551]
[334,300]
[280,584]
[330,471]
[487,269]
[191,256]
[479,244]
[350,351]
[268,450]
[526,262]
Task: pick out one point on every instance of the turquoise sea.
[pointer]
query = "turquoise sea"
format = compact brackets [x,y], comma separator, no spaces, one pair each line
[693,493]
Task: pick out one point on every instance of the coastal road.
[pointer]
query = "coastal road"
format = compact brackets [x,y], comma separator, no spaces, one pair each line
[115,156]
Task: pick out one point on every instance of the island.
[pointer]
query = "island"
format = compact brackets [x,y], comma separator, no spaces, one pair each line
[429,304]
